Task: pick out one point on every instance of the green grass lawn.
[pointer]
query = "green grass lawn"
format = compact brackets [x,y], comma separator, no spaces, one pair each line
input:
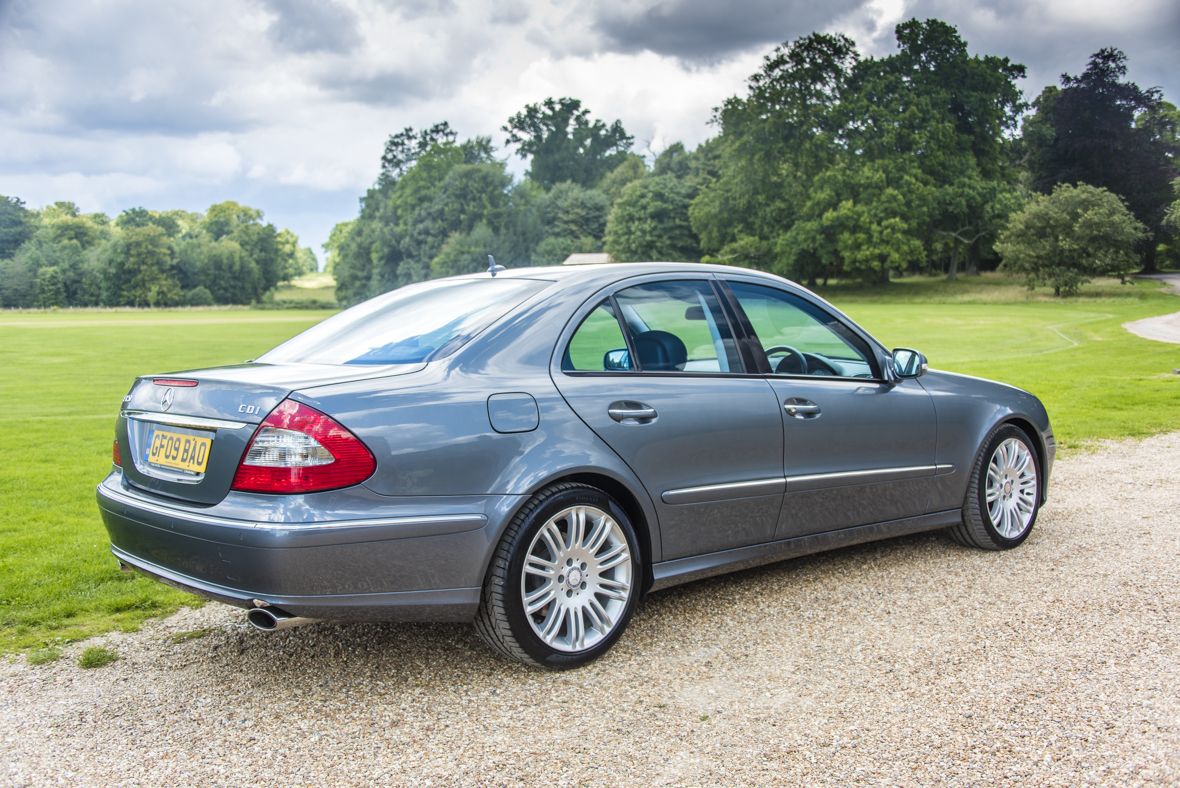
[317,287]
[1097,379]
[65,373]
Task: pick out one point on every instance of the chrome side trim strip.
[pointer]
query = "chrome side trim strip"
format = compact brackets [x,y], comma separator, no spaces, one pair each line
[943,470]
[684,570]
[819,481]
[725,492]
[472,521]
[177,420]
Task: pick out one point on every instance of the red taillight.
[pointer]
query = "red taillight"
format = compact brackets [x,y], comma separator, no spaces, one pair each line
[176,382]
[115,454]
[297,449]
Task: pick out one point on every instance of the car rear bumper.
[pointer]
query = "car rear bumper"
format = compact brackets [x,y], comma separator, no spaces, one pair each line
[398,564]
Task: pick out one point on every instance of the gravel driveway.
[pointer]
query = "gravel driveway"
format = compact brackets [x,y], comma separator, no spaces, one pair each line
[905,662]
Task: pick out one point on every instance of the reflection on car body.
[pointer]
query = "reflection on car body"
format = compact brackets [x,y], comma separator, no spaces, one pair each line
[535,451]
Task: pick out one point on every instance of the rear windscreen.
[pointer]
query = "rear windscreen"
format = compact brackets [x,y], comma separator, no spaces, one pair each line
[416,323]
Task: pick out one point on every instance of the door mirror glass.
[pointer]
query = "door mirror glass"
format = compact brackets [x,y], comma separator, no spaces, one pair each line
[908,363]
[615,360]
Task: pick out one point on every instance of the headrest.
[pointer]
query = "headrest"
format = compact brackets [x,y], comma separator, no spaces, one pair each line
[660,351]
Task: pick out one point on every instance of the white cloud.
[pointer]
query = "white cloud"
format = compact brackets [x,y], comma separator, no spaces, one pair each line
[285,104]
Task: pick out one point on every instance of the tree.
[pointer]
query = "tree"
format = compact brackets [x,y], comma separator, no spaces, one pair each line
[1110,134]
[225,217]
[139,269]
[403,149]
[1067,238]
[229,274]
[17,225]
[141,217]
[650,222]
[565,145]
[573,212]
[631,169]
[51,290]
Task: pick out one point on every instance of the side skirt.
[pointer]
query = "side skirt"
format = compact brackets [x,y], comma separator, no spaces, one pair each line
[685,570]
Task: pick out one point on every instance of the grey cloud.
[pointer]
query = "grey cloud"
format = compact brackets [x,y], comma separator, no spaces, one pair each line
[112,69]
[313,26]
[1049,46]
[708,30]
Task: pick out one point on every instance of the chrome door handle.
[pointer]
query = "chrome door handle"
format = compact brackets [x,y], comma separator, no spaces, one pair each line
[637,411]
[800,408]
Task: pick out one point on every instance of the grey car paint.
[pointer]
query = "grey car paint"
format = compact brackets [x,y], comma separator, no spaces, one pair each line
[462,442]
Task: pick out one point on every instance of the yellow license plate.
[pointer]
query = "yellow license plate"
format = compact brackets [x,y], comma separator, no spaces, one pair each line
[182,452]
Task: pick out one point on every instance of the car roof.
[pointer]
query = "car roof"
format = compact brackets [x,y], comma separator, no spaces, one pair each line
[613,272]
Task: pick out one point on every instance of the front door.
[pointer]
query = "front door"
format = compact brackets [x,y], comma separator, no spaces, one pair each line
[857,449]
[671,400]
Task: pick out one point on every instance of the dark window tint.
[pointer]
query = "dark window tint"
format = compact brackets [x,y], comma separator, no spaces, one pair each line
[799,338]
[678,327]
[415,323]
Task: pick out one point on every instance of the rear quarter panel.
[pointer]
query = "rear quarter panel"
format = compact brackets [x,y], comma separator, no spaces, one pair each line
[431,431]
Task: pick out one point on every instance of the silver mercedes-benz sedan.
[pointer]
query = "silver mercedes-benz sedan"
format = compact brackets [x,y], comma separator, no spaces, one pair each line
[535,449]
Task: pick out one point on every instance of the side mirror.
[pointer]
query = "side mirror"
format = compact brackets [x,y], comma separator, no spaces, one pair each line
[909,363]
[618,359]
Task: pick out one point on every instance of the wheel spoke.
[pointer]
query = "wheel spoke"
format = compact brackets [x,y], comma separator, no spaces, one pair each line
[553,623]
[601,532]
[539,567]
[553,541]
[538,599]
[577,526]
[577,633]
[599,614]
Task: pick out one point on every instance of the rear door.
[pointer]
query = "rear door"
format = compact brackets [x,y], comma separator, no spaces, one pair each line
[671,399]
[858,449]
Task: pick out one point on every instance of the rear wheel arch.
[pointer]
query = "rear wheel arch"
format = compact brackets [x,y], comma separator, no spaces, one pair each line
[631,507]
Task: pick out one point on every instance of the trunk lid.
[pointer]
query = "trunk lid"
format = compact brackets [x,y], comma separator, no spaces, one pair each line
[185,441]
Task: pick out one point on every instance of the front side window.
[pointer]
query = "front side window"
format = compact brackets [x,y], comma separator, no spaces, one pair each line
[799,338]
[416,323]
[678,327]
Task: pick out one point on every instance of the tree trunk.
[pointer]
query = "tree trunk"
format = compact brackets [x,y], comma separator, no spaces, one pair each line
[972,264]
[953,274]
[1149,258]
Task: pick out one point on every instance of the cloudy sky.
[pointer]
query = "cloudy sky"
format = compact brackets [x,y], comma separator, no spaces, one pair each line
[285,104]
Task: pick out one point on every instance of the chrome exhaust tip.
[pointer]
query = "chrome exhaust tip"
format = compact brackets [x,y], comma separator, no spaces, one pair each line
[269,619]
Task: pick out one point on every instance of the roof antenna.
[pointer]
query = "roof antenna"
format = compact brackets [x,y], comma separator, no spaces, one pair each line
[493,269]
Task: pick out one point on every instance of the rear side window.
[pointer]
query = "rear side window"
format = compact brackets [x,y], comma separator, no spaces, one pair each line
[416,323]
[678,327]
[598,344]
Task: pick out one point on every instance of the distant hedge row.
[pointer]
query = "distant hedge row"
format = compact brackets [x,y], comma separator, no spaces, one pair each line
[58,256]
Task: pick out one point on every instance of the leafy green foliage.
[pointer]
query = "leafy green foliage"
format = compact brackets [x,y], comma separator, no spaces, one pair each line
[1069,237]
[17,225]
[650,222]
[564,144]
[145,258]
[1109,133]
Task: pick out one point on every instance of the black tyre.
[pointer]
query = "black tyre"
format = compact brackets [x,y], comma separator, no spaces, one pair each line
[1004,494]
[564,580]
